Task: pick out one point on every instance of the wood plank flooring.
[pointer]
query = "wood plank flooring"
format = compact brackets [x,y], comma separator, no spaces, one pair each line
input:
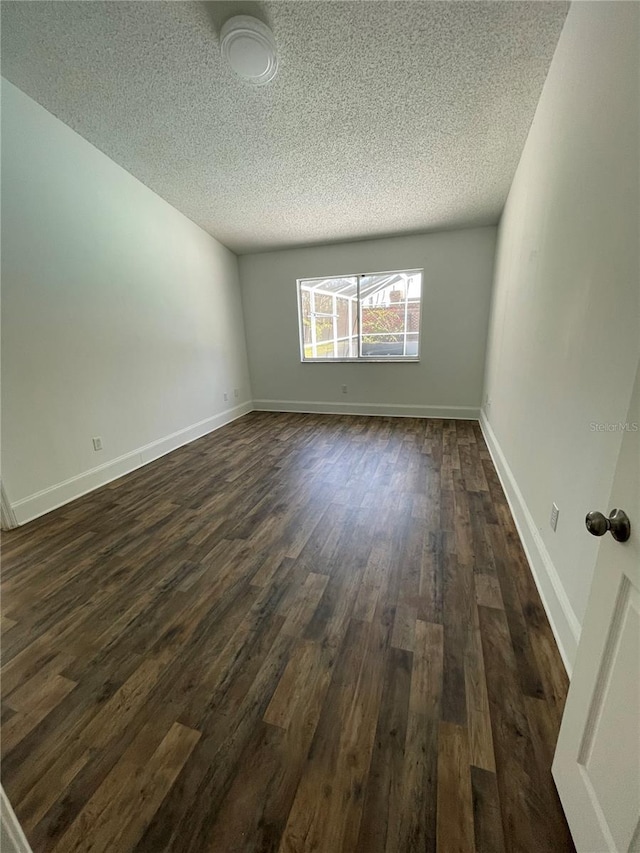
[299,633]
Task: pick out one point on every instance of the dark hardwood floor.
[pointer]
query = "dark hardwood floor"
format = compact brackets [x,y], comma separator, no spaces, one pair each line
[299,633]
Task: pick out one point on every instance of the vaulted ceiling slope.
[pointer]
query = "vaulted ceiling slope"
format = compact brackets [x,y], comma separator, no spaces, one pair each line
[384,118]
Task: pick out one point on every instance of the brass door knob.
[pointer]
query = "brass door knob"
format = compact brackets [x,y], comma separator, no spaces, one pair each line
[618,523]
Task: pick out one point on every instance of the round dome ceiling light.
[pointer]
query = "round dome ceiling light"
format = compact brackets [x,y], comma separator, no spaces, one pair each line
[249,47]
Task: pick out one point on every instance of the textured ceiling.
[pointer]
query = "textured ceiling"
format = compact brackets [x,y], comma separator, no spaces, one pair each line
[385,117]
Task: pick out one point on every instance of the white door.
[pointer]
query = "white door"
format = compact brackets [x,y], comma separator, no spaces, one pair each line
[597,760]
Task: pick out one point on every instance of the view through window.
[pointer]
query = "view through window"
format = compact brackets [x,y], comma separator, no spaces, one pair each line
[360,317]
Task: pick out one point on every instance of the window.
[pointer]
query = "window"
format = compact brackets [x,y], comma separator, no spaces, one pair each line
[364,317]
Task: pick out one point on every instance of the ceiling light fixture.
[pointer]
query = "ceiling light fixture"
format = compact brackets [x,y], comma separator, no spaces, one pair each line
[249,47]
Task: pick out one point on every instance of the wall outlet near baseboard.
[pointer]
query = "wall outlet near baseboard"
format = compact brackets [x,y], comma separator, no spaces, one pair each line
[553,521]
[97,442]
[343,388]
[226,397]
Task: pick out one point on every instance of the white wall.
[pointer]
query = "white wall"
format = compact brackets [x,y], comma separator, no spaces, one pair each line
[565,325]
[120,317]
[458,268]
[12,838]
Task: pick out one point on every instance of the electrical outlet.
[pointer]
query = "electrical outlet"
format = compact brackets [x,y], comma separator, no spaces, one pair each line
[226,397]
[344,389]
[236,393]
[554,516]
[97,443]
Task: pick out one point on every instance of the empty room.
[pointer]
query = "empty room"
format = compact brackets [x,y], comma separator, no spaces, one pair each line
[320,426]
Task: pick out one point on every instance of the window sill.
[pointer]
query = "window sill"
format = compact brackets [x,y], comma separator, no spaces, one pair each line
[389,360]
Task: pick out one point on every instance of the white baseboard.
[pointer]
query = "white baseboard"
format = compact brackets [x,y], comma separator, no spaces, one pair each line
[12,838]
[8,518]
[564,622]
[399,410]
[49,499]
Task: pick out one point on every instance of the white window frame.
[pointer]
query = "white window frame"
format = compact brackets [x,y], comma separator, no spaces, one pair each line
[360,359]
